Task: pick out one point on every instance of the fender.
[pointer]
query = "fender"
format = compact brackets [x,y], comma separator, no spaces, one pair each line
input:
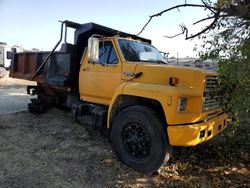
[117,93]
[167,96]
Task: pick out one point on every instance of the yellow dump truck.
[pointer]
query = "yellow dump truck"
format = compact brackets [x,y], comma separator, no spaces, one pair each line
[125,84]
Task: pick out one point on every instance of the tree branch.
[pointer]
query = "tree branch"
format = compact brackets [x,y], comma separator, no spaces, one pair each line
[204,19]
[212,17]
[236,10]
[207,6]
[210,26]
[184,31]
[172,8]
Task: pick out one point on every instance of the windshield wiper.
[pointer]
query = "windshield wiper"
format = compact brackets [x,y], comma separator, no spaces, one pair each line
[133,60]
[161,62]
[149,61]
[156,61]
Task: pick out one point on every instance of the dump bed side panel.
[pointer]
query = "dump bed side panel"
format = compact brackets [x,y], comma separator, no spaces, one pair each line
[60,69]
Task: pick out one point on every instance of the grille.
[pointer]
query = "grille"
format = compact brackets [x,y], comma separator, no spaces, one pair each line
[211,98]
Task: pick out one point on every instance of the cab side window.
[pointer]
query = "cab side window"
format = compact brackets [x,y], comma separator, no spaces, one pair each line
[107,53]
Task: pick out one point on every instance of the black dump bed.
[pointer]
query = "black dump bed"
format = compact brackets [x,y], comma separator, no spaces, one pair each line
[61,68]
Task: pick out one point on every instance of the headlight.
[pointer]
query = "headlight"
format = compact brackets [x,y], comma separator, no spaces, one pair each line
[182,104]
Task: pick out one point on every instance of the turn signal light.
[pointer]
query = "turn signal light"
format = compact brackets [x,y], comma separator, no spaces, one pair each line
[173,81]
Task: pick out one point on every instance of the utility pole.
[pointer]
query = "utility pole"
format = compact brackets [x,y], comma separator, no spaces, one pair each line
[177,58]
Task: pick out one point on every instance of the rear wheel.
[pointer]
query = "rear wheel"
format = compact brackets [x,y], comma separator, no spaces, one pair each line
[139,139]
[37,107]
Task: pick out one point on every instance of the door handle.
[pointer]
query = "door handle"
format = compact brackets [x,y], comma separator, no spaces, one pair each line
[85,68]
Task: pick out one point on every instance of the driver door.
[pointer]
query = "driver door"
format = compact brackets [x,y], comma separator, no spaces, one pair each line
[99,81]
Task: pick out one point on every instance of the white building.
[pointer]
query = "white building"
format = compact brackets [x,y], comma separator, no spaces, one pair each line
[190,62]
[6,53]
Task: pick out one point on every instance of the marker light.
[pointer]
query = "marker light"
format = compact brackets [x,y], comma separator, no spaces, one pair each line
[182,104]
[173,81]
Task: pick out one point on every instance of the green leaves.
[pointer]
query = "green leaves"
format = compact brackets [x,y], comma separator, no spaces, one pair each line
[235,87]
[229,45]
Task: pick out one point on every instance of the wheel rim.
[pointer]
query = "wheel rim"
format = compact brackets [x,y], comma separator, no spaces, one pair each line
[136,140]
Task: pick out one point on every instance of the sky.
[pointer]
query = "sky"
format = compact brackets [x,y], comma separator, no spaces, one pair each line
[34,23]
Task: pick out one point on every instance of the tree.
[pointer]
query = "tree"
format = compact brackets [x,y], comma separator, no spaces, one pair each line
[221,10]
[225,40]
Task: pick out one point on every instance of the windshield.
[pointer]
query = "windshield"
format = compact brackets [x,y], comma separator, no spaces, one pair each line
[137,51]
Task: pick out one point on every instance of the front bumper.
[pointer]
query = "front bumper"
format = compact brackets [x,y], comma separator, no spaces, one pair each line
[191,135]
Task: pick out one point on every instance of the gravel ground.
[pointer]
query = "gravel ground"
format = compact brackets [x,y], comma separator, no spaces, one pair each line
[3,72]
[52,150]
[13,94]
[13,100]
[7,82]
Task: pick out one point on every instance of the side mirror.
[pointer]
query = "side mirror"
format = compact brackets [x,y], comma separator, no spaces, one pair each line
[93,50]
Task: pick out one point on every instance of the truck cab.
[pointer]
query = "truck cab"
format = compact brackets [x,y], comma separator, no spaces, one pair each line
[125,84]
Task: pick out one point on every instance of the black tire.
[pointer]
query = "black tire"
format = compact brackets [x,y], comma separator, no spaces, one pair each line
[139,139]
[37,107]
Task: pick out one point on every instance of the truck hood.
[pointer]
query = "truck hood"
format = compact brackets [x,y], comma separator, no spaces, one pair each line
[160,74]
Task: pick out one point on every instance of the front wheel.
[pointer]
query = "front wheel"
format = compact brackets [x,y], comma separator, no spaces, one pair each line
[139,139]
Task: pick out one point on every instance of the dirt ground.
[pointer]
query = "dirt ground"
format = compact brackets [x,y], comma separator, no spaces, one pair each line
[52,150]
